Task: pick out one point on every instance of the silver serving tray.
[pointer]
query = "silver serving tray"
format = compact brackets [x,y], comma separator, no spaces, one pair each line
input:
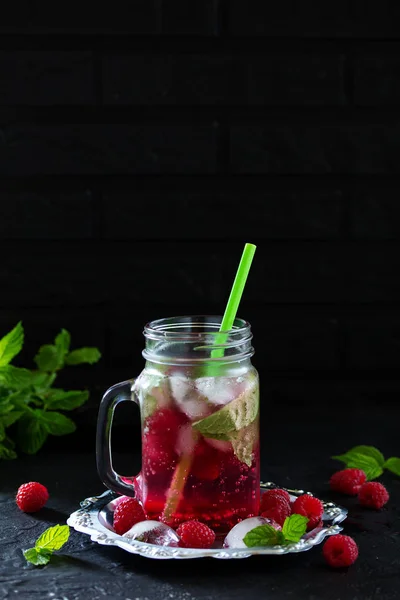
[95,518]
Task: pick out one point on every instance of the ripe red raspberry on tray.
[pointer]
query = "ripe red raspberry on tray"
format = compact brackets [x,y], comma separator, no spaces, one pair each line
[127,513]
[309,507]
[275,506]
[194,534]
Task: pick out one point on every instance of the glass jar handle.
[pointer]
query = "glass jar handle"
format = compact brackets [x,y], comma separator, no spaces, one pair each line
[120,392]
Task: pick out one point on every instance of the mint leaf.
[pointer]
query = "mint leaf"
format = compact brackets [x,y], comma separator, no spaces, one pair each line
[61,400]
[6,452]
[48,358]
[370,451]
[63,342]
[53,538]
[11,344]
[55,423]
[243,443]
[14,377]
[42,381]
[83,355]
[294,527]
[236,415]
[31,434]
[368,464]
[263,535]
[11,417]
[148,407]
[393,464]
[37,557]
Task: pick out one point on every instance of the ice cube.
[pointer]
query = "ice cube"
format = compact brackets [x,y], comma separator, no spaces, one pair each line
[186,440]
[153,532]
[234,539]
[155,386]
[219,444]
[188,398]
[219,390]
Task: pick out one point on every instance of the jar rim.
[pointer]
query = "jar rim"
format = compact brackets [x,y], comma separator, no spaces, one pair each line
[173,327]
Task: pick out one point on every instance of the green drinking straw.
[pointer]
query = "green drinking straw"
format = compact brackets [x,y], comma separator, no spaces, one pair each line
[234,298]
[182,469]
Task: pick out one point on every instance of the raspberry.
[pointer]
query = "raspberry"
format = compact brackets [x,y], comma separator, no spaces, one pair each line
[31,496]
[348,481]
[373,495]
[206,464]
[340,551]
[127,513]
[194,534]
[267,496]
[276,508]
[159,437]
[164,423]
[309,507]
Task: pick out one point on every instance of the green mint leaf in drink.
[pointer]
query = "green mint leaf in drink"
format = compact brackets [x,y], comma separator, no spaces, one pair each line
[355,460]
[53,538]
[37,557]
[55,423]
[83,355]
[63,341]
[294,527]
[149,406]
[58,399]
[15,377]
[243,442]
[11,344]
[31,434]
[263,535]
[393,464]
[48,358]
[234,416]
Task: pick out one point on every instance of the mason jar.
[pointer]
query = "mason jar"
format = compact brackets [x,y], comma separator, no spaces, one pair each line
[199,404]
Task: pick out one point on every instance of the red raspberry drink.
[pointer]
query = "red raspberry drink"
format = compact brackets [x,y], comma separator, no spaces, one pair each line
[200,424]
[200,446]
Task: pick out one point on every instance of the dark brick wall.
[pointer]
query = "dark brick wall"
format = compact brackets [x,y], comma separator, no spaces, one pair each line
[142,144]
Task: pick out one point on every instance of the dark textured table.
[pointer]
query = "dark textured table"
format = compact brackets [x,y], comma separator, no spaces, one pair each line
[293,455]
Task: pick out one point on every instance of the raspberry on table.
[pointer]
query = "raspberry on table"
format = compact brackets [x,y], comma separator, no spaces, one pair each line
[127,513]
[340,551]
[373,495]
[194,534]
[31,497]
[309,507]
[276,508]
[348,481]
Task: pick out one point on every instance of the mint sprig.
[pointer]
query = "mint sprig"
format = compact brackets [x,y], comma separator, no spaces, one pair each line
[293,530]
[51,540]
[370,460]
[235,423]
[393,465]
[29,405]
